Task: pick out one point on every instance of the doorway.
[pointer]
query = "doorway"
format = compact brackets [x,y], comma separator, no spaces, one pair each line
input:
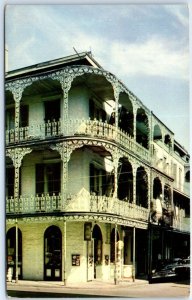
[53,254]
[11,252]
[98,243]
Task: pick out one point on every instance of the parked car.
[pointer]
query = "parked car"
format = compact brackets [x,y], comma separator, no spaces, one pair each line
[183,271]
[165,269]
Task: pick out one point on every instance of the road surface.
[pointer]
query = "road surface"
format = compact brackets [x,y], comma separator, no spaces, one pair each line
[145,290]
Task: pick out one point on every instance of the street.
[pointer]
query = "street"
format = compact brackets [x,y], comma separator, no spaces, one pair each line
[98,289]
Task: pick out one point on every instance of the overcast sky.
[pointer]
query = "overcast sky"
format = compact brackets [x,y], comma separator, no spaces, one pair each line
[146,46]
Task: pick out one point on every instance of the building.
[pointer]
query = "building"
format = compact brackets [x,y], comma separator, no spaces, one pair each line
[96,185]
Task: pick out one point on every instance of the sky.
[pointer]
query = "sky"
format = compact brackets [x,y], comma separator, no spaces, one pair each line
[146,46]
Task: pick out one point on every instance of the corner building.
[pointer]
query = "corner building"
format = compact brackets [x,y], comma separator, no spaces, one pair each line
[96,185]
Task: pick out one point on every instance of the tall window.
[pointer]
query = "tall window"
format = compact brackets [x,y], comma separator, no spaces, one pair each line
[142,187]
[179,178]
[98,182]
[10,118]
[52,110]
[96,112]
[10,181]
[24,116]
[48,179]
[174,171]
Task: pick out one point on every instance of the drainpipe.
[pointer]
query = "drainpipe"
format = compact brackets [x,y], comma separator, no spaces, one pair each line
[16,251]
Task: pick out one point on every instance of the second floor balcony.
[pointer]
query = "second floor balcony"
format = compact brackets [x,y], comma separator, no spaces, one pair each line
[82,202]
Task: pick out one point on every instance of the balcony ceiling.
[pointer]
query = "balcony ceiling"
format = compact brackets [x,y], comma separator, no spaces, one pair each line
[97,84]
[43,87]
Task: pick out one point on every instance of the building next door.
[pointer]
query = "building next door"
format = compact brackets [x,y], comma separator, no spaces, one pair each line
[53,254]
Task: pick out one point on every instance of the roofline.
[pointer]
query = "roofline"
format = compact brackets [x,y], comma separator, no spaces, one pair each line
[181,148]
[54,63]
[175,142]
[161,122]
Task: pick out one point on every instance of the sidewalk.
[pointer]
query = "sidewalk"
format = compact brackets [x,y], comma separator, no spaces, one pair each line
[95,284]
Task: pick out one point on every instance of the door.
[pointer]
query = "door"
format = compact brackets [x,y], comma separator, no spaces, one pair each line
[53,254]
[11,252]
[52,116]
[97,250]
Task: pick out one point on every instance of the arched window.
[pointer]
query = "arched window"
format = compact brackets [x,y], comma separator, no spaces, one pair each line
[187,176]
[157,135]
[125,114]
[142,187]
[52,253]
[125,180]
[142,128]
[157,188]
[98,245]
[167,140]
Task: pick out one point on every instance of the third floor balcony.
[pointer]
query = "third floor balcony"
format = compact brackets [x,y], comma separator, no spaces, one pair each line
[76,127]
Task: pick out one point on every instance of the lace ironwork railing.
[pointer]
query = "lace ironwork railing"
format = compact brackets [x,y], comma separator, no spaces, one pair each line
[95,128]
[110,205]
[91,203]
[38,131]
[76,127]
[33,204]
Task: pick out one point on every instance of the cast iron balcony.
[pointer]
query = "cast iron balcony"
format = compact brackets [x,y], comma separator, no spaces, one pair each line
[81,202]
[85,128]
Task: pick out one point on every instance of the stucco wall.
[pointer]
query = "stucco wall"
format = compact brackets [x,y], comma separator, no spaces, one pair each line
[33,250]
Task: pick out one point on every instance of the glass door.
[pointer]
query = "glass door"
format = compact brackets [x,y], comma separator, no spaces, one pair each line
[53,254]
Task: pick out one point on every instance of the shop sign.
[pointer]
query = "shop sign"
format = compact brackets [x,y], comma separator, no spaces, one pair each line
[75,259]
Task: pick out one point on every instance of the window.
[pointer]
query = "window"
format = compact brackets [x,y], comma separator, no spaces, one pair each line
[96,112]
[10,118]
[52,110]
[175,172]
[10,175]
[10,181]
[24,116]
[48,179]
[179,179]
[98,184]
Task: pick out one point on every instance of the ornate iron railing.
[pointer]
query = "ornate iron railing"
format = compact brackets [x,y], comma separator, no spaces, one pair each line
[76,203]
[33,204]
[115,206]
[89,128]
